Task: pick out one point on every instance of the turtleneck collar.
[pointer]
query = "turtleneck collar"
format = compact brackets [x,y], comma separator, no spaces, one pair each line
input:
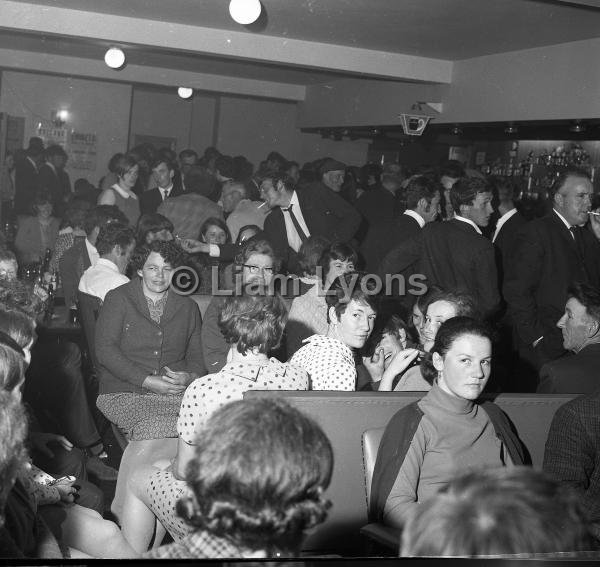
[450,403]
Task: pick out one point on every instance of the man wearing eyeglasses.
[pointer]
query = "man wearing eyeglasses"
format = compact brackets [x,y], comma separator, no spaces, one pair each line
[297,214]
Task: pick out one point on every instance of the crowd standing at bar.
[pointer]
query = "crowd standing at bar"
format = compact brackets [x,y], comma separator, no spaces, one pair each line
[314,277]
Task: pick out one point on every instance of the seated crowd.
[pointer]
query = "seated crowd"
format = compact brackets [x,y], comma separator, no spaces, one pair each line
[197,279]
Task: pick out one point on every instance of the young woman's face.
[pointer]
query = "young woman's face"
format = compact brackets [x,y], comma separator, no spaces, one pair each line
[465,369]
[129,178]
[156,273]
[355,324]
[437,313]
[338,268]
[391,345]
[215,235]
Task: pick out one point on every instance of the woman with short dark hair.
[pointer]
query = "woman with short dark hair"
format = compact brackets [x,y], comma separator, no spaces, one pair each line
[252,325]
[352,304]
[256,483]
[445,433]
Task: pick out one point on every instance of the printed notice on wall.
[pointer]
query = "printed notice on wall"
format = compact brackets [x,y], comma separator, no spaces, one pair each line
[82,151]
[52,136]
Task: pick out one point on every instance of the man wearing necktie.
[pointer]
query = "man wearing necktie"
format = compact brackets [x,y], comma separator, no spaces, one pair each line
[297,214]
[163,171]
[550,254]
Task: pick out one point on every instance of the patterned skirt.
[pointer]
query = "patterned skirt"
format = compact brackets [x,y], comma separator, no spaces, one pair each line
[142,416]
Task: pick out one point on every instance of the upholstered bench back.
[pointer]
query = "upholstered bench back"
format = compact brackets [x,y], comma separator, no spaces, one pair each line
[345,416]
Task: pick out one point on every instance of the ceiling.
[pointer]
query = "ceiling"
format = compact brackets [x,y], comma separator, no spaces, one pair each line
[445,30]
[442,29]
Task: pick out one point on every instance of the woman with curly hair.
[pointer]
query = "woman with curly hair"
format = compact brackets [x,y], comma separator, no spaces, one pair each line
[252,325]
[148,346]
[256,483]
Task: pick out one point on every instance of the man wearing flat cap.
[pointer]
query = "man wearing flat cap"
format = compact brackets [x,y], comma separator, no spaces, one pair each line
[332,174]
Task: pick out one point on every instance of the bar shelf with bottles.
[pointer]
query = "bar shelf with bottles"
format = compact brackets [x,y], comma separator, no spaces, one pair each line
[534,175]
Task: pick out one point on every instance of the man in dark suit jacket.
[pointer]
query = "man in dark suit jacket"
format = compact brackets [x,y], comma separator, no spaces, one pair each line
[453,254]
[164,173]
[83,253]
[54,179]
[27,181]
[549,255]
[296,215]
[580,326]
[422,206]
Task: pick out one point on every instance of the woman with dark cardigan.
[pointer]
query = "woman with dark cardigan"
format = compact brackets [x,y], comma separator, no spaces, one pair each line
[148,347]
[448,432]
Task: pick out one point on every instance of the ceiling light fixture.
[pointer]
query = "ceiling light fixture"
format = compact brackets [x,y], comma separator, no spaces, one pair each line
[245,12]
[59,117]
[457,130]
[114,58]
[185,92]
[511,129]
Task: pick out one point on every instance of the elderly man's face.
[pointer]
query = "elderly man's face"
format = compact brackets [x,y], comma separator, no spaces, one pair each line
[334,180]
[574,200]
[575,325]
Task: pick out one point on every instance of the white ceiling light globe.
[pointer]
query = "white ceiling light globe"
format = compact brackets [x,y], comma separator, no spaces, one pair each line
[114,58]
[245,11]
[185,92]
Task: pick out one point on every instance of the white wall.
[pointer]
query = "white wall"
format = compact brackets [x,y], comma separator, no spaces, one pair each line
[98,107]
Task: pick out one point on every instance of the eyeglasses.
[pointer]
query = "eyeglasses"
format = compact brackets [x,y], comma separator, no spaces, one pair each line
[255,269]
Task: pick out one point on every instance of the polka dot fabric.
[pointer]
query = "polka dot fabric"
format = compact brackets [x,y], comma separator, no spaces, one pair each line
[329,363]
[208,393]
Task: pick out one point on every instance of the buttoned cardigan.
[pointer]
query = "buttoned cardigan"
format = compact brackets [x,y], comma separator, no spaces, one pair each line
[130,345]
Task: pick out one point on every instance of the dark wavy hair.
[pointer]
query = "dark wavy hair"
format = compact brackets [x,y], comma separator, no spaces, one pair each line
[169,251]
[465,190]
[114,234]
[253,321]
[13,455]
[496,512]
[336,251]
[353,286]
[12,363]
[258,476]
[450,331]
[310,253]
[150,223]
[18,294]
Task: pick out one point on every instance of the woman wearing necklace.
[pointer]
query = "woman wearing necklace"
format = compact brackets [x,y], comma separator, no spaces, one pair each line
[253,326]
[148,347]
[121,193]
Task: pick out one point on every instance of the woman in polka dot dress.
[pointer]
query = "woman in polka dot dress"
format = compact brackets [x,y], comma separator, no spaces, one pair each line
[254,326]
[351,312]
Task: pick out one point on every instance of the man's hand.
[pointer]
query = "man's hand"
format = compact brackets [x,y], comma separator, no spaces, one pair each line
[595,223]
[41,441]
[163,385]
[192,246]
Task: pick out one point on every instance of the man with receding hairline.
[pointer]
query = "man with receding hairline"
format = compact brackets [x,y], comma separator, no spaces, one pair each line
[550,253]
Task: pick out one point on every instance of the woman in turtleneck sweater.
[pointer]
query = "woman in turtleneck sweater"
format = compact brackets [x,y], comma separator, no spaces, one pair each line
[448,431]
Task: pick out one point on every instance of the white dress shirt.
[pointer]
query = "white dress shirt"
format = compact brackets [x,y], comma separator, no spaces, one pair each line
[98,280]
[92,252]
[293,237]
[416,216]
[501,221]
[468,221]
